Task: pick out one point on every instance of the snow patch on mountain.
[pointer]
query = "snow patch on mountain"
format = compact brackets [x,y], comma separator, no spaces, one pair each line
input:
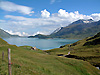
[57,30]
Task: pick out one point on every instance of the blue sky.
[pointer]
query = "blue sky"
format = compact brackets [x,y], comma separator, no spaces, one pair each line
[30,17]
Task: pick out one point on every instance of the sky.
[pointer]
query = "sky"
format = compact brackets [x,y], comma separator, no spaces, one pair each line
[31,17]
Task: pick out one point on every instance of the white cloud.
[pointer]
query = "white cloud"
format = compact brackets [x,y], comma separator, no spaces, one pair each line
[17,33]
[57,19]
[95,16]
[38,33]
[13,33]
[52,1]
[18,20]
[45,13]
[15,18]
[72,16]
[12,7]
[2,21]
[44,25]
[25,34]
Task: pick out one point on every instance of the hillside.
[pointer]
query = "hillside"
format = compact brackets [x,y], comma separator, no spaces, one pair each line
[87,49]
[30,62]
[4,34]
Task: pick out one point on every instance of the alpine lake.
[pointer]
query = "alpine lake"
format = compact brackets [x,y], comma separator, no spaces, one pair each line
[43,44]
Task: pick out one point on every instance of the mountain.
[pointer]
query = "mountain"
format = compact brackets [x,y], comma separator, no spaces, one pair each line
[78,29]
[39,36]
[5,34]
[57,30]
[82,21]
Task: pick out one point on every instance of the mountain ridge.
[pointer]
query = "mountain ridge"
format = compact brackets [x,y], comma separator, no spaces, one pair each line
[76,30]
[82,21]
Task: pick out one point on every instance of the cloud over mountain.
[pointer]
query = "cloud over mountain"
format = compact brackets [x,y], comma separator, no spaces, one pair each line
[96,16]
[72,16]
[46,23]
[17,33]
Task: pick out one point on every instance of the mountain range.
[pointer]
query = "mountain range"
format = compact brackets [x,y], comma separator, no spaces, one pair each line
[76,30]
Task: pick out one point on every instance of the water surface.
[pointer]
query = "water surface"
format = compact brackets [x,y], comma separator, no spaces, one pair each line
[43,44]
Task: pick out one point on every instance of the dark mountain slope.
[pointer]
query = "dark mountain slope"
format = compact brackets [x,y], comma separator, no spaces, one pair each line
[4,34]
[78,30]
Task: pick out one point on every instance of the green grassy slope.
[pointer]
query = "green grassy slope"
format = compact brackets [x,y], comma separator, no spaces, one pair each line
[29,62]
[87,49]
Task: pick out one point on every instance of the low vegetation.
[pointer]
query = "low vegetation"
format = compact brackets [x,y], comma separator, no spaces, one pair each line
[31,62]
[87,49]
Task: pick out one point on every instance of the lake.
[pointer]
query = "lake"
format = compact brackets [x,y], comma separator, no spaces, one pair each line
[43,44]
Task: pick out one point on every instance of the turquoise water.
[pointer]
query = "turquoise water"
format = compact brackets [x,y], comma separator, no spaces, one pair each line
[43,44]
